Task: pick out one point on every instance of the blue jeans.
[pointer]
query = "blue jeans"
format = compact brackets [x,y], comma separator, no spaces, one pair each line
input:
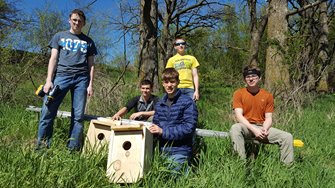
[187,91]
[179,164]
[77,84]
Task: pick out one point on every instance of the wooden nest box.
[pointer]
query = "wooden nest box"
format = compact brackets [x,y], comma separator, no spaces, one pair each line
[98,135]
[130,153]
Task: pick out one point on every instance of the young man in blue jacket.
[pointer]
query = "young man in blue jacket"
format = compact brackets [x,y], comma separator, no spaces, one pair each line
[174,122]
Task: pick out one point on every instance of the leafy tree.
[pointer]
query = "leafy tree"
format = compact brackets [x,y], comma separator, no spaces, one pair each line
[8,17]
[10,77]
[221,52]
[46,23]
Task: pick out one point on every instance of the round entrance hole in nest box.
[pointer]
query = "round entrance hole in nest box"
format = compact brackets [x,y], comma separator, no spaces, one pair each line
[101,136]
[126,145]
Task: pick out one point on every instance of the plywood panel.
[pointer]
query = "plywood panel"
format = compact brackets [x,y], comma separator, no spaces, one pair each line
[98,136]
[129,155]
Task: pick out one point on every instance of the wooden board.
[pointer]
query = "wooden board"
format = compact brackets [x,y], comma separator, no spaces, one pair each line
[98,136]
[127,128]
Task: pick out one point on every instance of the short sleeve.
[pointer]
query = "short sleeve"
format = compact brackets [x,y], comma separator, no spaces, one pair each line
[92,50]
[132,103]
[270,104]
[195,63]
[169,63]
[237,100]
[53,43]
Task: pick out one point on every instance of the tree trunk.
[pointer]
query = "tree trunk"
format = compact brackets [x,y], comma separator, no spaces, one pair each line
[323,55]
[276,72]
[306,60]
[255,35]
[166,46]
[256,32]
[148,57]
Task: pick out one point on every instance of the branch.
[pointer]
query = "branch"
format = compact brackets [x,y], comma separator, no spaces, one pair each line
[89,4]
[187,9]
[120,77]
[201,3]
[305,8]
[229,47]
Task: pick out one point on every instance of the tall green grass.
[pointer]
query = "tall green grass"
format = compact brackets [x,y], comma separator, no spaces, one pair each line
[218,166]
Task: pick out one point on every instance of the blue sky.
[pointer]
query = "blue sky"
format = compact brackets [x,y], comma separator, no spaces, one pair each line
[66,4]
[99,7]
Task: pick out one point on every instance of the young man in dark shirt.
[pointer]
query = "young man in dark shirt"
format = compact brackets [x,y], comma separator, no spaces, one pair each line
[71,68]
[143,104]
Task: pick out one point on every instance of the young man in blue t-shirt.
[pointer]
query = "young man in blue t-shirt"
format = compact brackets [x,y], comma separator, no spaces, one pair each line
[71,68]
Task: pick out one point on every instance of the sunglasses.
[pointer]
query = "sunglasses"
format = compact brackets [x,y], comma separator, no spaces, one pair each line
[180,44]
[251,76]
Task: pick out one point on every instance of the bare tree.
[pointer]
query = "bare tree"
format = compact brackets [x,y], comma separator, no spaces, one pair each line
[314,56]
[148,56]
[175,18]
[312,59]
[324,55]
[273,17]
[181,17]
[257,27]
[276,72]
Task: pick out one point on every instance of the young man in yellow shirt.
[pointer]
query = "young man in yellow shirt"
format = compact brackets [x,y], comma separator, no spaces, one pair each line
[187,67]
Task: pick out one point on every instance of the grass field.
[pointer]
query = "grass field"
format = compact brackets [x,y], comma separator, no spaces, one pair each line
[22,166]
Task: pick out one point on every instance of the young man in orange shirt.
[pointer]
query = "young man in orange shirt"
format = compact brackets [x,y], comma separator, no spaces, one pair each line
[253,109]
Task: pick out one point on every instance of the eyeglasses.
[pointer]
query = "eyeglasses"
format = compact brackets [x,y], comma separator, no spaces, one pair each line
[180,44]
[252,76]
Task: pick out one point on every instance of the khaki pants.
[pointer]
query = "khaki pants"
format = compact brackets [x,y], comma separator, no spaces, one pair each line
[239,133]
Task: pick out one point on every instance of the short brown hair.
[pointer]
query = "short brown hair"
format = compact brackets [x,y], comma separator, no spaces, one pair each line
[169,74]
[80,13]
[147,82]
